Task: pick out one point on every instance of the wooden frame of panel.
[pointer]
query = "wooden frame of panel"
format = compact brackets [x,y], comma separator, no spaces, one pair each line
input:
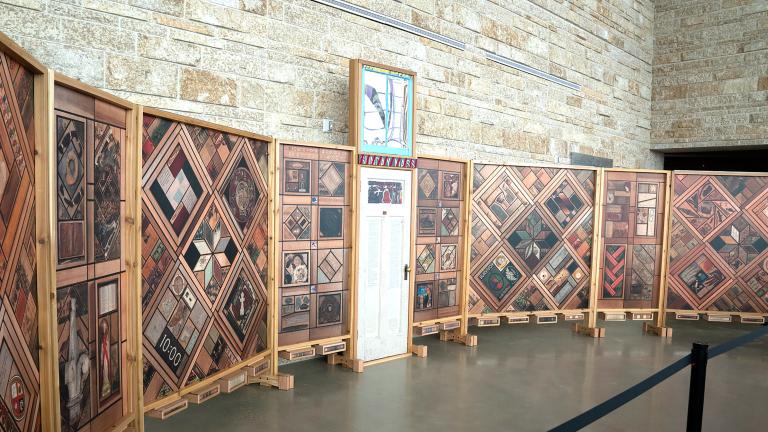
[45,233]
[590,313]
[355,122]
[465,246]
[661,321]
[268,352]
[658,309]
[351,273]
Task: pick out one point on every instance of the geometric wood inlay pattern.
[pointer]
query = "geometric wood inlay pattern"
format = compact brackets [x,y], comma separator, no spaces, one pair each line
[439,256]
[19,355]
[91,284]
[633,221]
[204,252]
[531,238]
[719,243]
[315,203]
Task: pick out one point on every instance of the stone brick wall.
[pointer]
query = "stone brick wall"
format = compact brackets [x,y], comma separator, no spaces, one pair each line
[280,66]
[710,74]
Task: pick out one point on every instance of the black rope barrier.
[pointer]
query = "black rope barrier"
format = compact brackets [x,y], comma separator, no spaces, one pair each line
[590,416]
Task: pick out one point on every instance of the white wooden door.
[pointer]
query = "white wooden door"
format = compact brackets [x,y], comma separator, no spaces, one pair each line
[384,248]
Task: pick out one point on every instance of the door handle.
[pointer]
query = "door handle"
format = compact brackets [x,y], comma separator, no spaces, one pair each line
[406,272]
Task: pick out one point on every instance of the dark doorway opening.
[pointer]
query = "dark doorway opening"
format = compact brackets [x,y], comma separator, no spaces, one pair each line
[743,160]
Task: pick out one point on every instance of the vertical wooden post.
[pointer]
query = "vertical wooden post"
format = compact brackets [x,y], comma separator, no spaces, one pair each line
[45,227]
[591,328]
[466,248]
[661,317]
[273,178]
[353,273]
[134,271]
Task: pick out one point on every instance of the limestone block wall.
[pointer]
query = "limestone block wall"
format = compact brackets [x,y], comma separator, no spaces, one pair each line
[279,67]
[710,74]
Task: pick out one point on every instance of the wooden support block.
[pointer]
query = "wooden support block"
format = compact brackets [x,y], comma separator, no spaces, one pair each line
[419,350]
[203,394]
[233,382]
[281,381]
[665,332]
[331,348]
[571,316]
[298,353]
[485,321]
[470,340]
[749,319]
[257,369]
[546,319]
[516,319]
[169,410]
[455,336]
[640,316]
[715,317]
[339,359]
[687,316]
[425,330]
[450,325]
[595,332]
[612,316]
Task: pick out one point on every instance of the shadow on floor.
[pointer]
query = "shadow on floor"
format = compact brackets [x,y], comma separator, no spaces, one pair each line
[521,378]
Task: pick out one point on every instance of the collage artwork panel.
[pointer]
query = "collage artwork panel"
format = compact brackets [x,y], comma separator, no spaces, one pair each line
[91,290]
[531,238]
[633,221]
[718,254]
[315,243]
[386,111]
[19,355]
[204,252]
[439,257]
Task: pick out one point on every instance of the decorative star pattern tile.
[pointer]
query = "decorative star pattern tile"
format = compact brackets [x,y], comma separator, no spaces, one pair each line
[533,239]
[739,243]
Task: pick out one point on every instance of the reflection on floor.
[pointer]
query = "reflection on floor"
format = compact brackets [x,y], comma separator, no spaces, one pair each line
[519,378]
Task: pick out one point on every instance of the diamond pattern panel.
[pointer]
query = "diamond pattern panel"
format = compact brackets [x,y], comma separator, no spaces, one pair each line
[205,247]
[718,244]
[531,238]
[19,340]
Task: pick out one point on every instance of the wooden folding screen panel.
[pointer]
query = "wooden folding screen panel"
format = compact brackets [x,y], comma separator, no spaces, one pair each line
[440,240]
[719,237]
[315,224]
[532,231]
[205,252]
[94,305]
[632,239]
[22,88]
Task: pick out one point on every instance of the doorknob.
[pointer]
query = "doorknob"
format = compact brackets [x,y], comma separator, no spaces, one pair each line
[406,271]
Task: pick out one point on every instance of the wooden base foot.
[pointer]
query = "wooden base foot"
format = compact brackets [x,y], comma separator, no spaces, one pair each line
[665,332]
[420,350]
[595,332]
[203,395]
[339,359]
[281,381]
[455,336]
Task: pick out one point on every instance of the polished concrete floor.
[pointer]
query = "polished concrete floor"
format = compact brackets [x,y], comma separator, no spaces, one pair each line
[519,378]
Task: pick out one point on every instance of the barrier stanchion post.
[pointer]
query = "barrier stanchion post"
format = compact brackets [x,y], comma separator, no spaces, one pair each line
[699,355]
